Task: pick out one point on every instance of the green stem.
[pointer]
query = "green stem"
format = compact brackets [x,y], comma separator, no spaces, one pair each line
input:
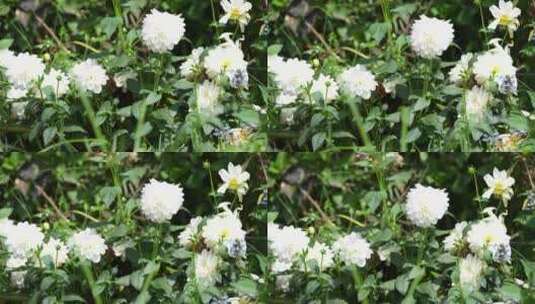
[388,20]
[360,124]
[358,280]
[145,289]
[119,14]
[88,273]
[92,117]
[405,120]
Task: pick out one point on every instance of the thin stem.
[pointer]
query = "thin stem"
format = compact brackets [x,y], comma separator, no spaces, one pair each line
[88,273]
[92,117]
[119,14]
[360,124]
[359,282]
[405,117]
[483,23]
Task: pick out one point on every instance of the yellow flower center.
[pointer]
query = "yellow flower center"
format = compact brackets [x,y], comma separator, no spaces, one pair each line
[225,233]
[504,20]
[233,184]
[499,189]
[225,63]
[235,13]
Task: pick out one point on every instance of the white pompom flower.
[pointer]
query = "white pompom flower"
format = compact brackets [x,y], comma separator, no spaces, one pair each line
[234,179]
[236,11]
[500,185]
[352,249]
[206,268]
[470,269]
[207,97]
[161,31]
[357,81]
[506,15]
[57,81]
[286,244]
[161,200]
[55,251]
[23,239]
[87,244]
[292,75]
[426,205]
[89,76]
[23,70]
[430,37]
[326,86]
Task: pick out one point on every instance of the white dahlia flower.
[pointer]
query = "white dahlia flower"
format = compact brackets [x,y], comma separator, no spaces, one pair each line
[224,228]
[23,239]
[493,64]
[275,64]
[426,205]
[321,255]
[5,226]
[24,69]
[292,75]
[224,58]
[506,15]
[430,37]
[207,95]
[236,11]
[56,251]
[461,71]
[500,185]
[286,244]
[455,237]
[358,81]
[89,76]
[87,244]
[57,81]
[185,238]
[476,103]
[352,249]
[326,86]
[470,269]
[490,233]
[234,179]
[192,65]
[206,268]
[161,200]
[162,31]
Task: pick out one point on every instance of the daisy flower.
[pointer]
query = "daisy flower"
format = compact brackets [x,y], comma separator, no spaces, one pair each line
[506,15]
[237,11]
[500,185]
[234,179]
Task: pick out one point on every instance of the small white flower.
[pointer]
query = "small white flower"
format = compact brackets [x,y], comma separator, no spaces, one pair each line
[56,251]
[426,205]
[162,31]
[224,58]
[237,11]
[489,233]
[285,99]
[24,69]
[292,75]
[207,96]
[461,71]
[224,228]
[234,179]
[23,239]
[352,249]
[89,76]
[283,282]
[57,81]
[161,200]
[285,244]
[358,81]
[15,93]
[321,255]
[185,238]
[326,86]
[476,103]
[206,268]
[455,237]
[18,108]
[87,244]
[506,15]
[192,65]
[470,269]
[493,64]
[430,37]
[500,185]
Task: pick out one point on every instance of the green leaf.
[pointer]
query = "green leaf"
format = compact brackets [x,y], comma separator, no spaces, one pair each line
[246,286]
[49,134]
[318,140]
[109,25]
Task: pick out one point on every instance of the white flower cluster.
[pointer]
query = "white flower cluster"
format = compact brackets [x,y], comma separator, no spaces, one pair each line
[426,205]
[221,236]
[26,246]
[161,200]
[292,247]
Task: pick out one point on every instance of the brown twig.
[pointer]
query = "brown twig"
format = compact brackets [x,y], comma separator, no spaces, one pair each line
[322,40]
[51,32]
[51,202]
[316,205]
